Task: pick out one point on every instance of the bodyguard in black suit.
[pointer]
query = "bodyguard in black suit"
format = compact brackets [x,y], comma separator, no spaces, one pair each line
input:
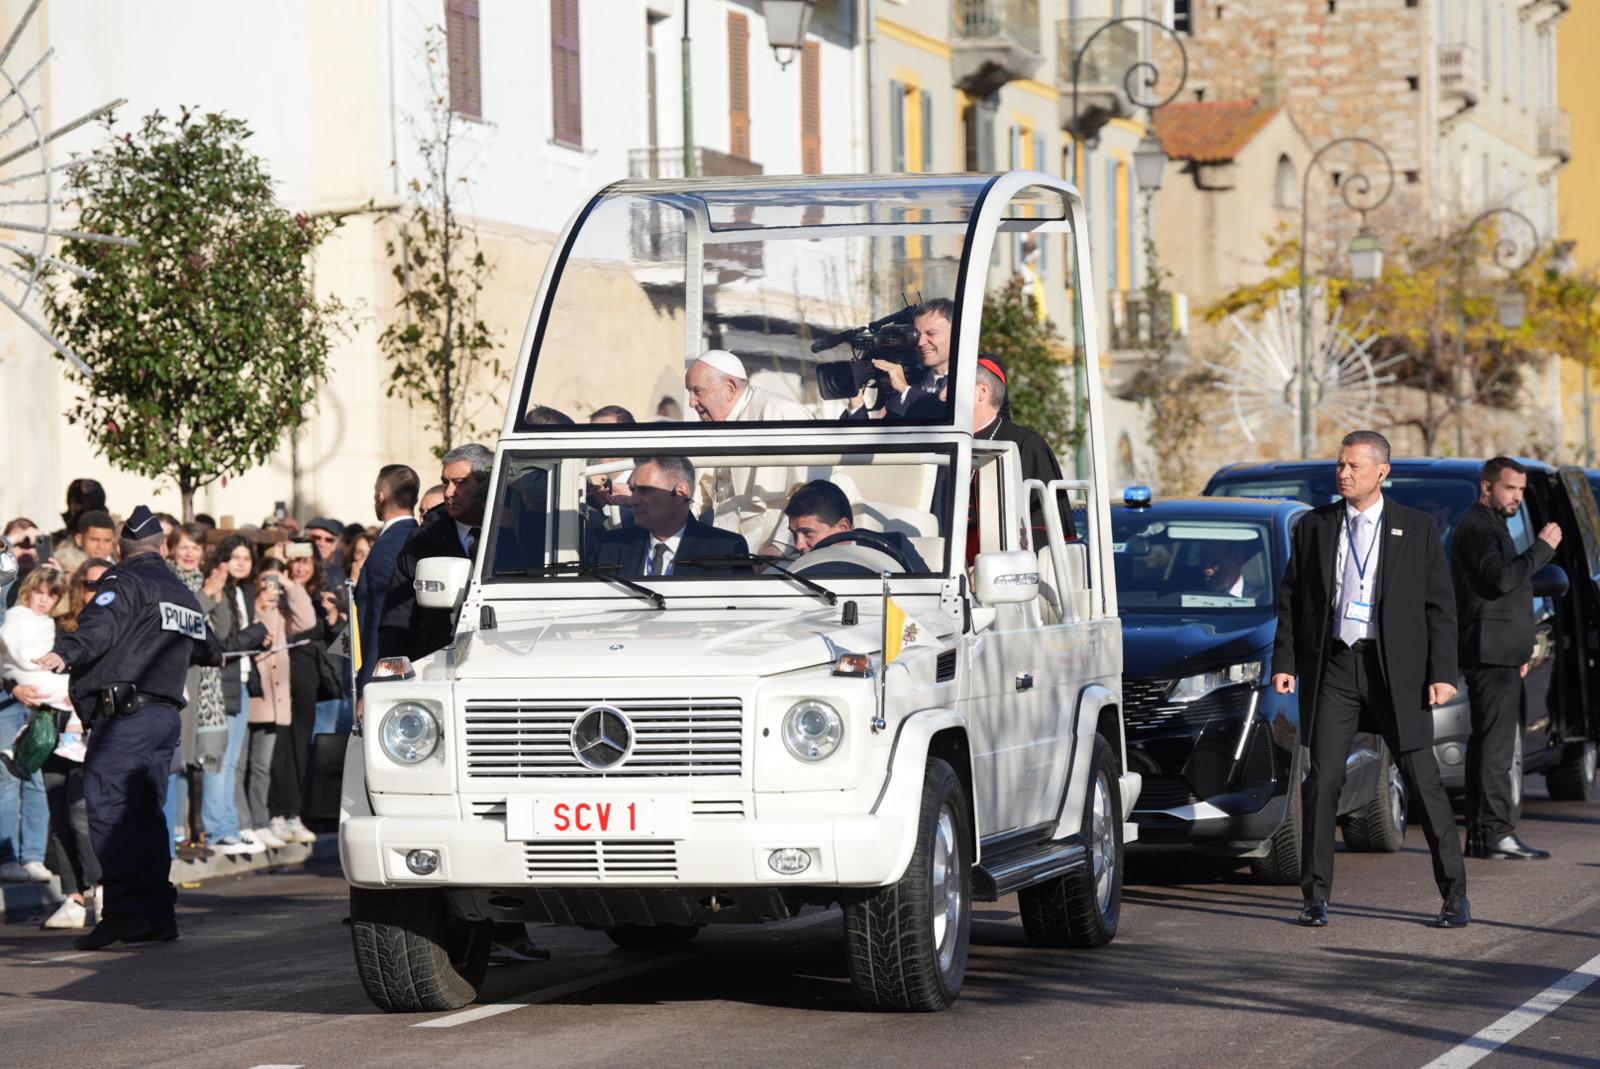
[664,539]
[1494,602]
[1367,629]
[394,497]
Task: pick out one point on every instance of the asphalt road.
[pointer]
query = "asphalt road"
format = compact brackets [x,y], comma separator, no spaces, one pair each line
[1207,970]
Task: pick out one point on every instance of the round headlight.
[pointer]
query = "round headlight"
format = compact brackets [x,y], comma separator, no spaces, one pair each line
[812,730]
[409,733]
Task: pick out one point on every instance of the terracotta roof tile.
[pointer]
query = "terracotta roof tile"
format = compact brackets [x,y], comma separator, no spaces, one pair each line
[1211,131]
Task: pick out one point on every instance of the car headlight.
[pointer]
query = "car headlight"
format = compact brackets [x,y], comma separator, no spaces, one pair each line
[1193,688]
[812,730]
[409,733]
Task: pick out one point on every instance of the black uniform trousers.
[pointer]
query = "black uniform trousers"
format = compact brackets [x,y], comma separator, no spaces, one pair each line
[1352,683]
[1495,692]
[125,784]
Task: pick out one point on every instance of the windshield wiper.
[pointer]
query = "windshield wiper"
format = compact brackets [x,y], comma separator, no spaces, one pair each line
[776,564]
[589,571]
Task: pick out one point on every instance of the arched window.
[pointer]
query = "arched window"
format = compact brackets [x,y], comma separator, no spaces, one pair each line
[1286,184]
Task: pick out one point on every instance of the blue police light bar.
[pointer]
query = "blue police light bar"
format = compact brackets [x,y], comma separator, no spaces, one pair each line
[1137,495]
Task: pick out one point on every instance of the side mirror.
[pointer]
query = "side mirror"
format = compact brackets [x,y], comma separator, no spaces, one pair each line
[1010,578]
[441,582]
[1550,581]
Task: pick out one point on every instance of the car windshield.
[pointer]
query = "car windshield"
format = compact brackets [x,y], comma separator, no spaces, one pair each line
[766,300]
[1191,565]
[659,518]
[1445,498]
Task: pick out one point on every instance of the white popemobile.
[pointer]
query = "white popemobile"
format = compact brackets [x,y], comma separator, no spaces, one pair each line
[647,740]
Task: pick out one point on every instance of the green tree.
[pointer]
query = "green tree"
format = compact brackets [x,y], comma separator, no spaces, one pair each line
[439,347]
[1036,370]
[205,338]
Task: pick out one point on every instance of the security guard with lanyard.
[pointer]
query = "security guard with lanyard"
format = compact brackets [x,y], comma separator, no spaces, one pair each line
[128,658]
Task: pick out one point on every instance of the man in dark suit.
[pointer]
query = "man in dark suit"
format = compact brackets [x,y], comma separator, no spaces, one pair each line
[454,529]
[1367,631]
[1494,602]
[663,532]
[394,496]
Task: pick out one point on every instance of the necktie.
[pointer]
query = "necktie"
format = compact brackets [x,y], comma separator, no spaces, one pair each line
[472,540]
[658,559]
[1357,559]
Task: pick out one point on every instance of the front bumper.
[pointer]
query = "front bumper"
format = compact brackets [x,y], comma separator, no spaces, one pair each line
[853,851]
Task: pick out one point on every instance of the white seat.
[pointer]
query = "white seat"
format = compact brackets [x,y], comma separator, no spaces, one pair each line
[895,519]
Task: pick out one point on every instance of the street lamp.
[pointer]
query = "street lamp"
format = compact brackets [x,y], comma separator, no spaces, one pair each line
[1366,257]
[1149,159]
[786,27]
[1511,307]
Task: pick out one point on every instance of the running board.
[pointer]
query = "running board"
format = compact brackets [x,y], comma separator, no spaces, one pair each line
[1014,869]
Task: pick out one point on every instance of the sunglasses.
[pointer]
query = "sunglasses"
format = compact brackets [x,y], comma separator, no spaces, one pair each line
[25,543]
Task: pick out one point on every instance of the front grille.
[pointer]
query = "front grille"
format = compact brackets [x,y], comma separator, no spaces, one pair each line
[717,808]
[673,737]
[1145,709]
[613,858]
[484,810]
[1165,792]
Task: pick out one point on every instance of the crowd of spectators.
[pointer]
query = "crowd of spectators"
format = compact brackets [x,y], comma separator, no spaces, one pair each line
[278,596]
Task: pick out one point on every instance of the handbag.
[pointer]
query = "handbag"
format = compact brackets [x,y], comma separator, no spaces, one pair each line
[34,744]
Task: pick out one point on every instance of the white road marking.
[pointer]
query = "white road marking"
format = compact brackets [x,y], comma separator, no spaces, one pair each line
[62,957]
[583,983]
[1520,1019]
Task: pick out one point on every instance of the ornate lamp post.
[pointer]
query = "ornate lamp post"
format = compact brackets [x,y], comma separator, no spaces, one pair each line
[1149,159]
[1366,258]
[1511,306]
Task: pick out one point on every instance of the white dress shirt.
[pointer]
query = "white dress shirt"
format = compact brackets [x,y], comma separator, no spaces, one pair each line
[672,552]
[1374,515]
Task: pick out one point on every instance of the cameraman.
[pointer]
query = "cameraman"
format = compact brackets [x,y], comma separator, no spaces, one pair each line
[902,398]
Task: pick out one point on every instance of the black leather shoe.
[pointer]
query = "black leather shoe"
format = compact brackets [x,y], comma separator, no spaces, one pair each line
[1456,912]
[1315,915]
[1509,848]
[111,930]
[154,933]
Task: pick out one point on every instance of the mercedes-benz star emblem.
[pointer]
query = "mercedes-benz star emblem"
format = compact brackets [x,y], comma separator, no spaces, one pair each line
[602,737]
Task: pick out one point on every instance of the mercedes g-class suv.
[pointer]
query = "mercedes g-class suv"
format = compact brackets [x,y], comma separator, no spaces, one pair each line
[683,687]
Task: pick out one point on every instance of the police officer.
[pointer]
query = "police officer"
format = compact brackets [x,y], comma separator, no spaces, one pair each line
[128,658]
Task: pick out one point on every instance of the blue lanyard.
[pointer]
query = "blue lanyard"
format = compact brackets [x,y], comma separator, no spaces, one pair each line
[1350,535]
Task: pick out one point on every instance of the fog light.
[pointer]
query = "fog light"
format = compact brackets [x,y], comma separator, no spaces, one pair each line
[1452,754]
[790,861]
[423,862]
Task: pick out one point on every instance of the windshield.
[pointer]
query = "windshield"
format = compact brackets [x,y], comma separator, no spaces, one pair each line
[1192,566]
[766,301]
[1445,498]
[660,518]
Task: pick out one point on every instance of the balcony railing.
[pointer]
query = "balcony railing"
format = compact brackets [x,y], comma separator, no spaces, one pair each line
[668,163]
[993,42]
[1102,95]
[1460,73]
[1133,327]
[1555,133]
[982,20]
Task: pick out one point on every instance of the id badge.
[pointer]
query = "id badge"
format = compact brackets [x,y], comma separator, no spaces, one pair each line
[1359,611]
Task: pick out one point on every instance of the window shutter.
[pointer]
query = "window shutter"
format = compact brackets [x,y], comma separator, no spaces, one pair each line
[897,127]
[986,111]
[565,74]
[738,85]
[461,57]
[927,130]
[811,109]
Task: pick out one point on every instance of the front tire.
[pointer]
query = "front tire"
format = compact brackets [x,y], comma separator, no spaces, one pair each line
[1082,907]
[906,944]
[1281,865]
[412,955]
[1379,825]
[1573,779]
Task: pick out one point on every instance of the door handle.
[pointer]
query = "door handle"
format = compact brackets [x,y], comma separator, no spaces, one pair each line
[1024,680]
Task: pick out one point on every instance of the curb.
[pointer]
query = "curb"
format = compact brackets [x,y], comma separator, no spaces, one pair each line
[26,901]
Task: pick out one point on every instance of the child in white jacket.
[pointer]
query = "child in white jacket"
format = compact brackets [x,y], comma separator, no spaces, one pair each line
[29,632]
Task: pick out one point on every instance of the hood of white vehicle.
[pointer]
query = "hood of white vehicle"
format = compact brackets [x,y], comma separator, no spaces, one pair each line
[610,644]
